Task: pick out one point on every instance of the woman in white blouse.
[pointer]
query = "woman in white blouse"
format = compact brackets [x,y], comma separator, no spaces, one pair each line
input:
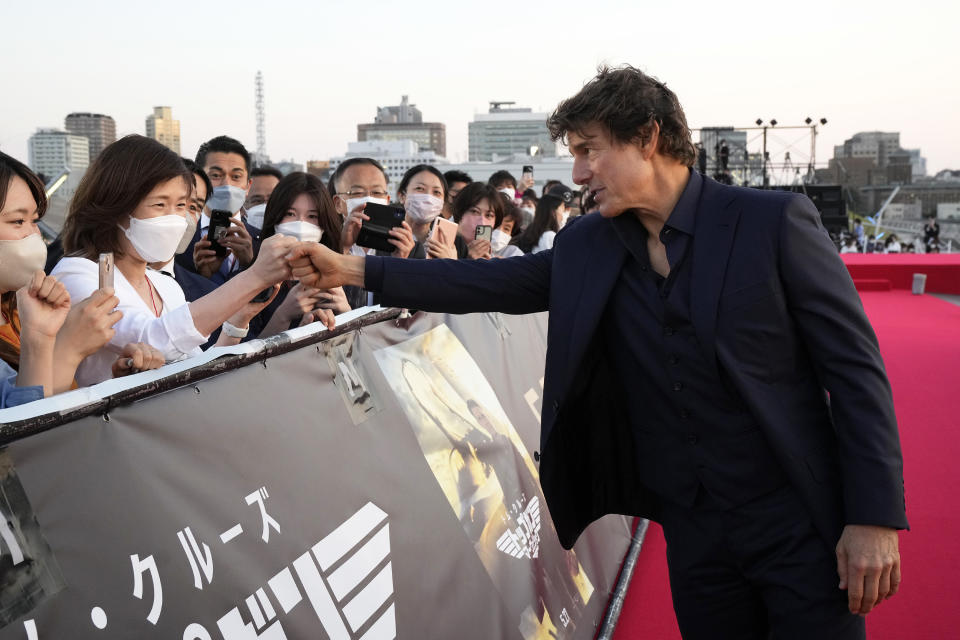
[132,202]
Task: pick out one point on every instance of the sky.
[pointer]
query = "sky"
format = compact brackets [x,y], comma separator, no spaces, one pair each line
[328,65]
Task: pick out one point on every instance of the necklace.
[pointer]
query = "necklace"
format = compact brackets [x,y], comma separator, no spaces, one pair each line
[152,301]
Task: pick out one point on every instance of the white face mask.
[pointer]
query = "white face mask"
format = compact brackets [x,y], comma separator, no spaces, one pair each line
[353,203]
[19,260]
[529,210]
[187,235]
[511,193]
[423,207]
[227,198]
[255,215]
[499,240]
[301,230]
[156,239]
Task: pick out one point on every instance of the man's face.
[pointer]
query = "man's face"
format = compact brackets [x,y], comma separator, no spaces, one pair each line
[260,189]
[359,181]
[198,199]
[620,176]
[453,189]
[227,168]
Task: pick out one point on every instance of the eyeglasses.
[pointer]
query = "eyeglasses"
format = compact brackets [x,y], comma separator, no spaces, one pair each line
[362,193]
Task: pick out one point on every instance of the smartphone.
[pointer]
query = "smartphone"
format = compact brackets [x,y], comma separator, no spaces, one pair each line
[375,232]
[106,271]
[528,171]
[444,231]
[484,232]
[219,226]
[263,296]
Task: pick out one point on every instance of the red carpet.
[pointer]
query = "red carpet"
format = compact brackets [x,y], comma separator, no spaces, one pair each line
[920,340]
[942,270]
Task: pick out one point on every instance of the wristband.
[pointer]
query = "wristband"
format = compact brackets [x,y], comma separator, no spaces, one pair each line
[235,332]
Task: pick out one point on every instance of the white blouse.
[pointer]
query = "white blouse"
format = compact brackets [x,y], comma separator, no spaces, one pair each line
[173,333]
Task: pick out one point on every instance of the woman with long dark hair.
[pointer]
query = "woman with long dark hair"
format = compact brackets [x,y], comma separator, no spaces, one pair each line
[549,217]
[301,207]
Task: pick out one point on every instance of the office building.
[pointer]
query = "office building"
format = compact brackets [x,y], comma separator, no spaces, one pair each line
[99,129]
[506,130]
[396,156]
[405,122]
[52,151]
[164,129]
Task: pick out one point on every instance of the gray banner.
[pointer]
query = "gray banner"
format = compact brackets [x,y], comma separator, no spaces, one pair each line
[375,484]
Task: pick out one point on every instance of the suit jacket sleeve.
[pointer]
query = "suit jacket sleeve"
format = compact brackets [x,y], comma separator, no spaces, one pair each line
[512,285]
[843,346]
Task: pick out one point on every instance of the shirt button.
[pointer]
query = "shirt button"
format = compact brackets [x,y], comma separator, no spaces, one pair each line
[692,438]
[674,359]
[666,232]
[642,268]
[684,414]
[677,386]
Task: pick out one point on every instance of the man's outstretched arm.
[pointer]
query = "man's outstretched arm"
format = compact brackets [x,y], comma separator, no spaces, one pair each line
[514,285]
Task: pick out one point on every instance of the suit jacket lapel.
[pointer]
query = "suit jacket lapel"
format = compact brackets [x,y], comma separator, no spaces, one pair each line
[598,273]
[717,217]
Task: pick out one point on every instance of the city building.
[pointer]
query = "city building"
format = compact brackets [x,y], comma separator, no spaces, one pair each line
[319,168]
[99,129]
[51,151]
[918,162]
[286,167]
[876,145]
[405,122]
[506,130]
[714,138]
[164,129]
[396,156]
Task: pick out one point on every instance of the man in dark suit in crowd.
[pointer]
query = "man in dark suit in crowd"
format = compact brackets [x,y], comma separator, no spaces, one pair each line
[226,162]
[695,332]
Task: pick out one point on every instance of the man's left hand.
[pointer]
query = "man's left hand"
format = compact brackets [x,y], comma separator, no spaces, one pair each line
[868,561]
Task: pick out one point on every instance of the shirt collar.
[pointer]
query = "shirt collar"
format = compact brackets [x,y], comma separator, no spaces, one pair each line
[684,214]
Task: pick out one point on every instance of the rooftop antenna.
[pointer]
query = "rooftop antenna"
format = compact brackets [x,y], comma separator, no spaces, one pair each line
[261,128]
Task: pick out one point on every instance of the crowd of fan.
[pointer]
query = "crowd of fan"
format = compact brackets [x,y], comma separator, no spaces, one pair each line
[175,294]
[860,242]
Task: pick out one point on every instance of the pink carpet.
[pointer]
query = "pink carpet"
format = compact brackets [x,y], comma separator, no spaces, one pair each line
[920,340]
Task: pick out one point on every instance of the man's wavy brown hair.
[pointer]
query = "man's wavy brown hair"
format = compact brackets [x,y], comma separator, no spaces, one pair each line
[627,102]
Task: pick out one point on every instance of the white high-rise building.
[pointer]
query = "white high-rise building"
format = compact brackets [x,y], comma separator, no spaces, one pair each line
[52,150]
[396,156]
[505,131]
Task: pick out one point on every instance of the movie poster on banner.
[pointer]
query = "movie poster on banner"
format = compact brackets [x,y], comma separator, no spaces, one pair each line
[490,481]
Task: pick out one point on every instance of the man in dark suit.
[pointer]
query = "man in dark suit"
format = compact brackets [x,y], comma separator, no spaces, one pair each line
[695,331]
[226,164]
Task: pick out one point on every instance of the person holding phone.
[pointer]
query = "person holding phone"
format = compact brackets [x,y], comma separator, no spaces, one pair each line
[478,204]
[29,299]
[132,202]
[300,207]
[227,164]
[549,217]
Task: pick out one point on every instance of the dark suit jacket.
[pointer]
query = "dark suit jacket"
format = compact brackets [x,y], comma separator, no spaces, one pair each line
[771,302]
